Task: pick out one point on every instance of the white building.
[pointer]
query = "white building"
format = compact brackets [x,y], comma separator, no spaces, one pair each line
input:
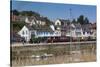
[60,28]
[33,20]
[26,33]
[86,28]
[68,29]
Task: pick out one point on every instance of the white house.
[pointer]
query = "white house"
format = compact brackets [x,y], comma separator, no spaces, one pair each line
[72,30]
[33,20]
[45,31]
[65,28]
[77,30]
[68,29]
[57,22]
[26,32]
[86,28]
[60,25]
[60,28]
[41,31]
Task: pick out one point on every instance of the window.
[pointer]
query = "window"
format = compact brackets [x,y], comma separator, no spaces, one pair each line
[23,32]
[57,23]
[51,33]
[26,38]
[26,32]
[78,28]
[91,33]
[83,32]
[56,32]
[37,33]
[88,32]
[78,33]
[32,32]
[47,33]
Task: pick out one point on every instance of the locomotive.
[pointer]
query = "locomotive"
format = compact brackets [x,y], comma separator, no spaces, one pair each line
[56,39]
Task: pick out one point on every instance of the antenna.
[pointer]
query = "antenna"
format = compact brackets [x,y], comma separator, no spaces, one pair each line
[73,47]
[70,25]
[70,45]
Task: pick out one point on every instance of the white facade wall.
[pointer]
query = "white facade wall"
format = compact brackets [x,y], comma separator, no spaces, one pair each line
[57,22]
[48,34]
[75,32]
[25,33]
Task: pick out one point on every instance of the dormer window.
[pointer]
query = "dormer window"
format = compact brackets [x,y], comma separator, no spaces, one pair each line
[58,23]
[83,32]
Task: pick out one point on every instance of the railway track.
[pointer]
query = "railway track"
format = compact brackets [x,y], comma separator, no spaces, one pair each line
[47,44]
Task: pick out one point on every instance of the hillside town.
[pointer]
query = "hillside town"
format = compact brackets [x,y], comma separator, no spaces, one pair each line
[30,26]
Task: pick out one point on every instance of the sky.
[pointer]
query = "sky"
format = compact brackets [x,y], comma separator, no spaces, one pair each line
[56,11]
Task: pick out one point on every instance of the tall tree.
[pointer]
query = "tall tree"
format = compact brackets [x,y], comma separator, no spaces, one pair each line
[86,21]
[74,21]
[15,12]
[80,19]
[29,13]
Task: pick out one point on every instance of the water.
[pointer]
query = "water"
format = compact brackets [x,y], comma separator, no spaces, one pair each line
[84,53]
[85,57]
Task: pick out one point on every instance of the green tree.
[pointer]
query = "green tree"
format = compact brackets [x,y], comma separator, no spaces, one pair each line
[80,19]
[86,21]
[15,12]
[48,22]
[16,26]
[74,21]
[29,13]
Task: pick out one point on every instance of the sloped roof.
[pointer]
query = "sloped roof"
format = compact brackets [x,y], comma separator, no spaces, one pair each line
[29,27]
[42,28]
[86,27]
[39,28]
[14,37]
[68,26]
[63,22]
[36,18]
[65,28]
[93,26]
[77,25]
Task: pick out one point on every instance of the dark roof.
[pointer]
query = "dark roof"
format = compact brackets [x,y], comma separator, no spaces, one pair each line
[86,27]
[29,27]
[63,22]
[65,28]
[14,37]
[77,25]
[42,28]
[37,18]
[39,28]
[44,19]
[93,26]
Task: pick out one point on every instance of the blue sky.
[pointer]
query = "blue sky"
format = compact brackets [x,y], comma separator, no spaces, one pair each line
[54,10]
